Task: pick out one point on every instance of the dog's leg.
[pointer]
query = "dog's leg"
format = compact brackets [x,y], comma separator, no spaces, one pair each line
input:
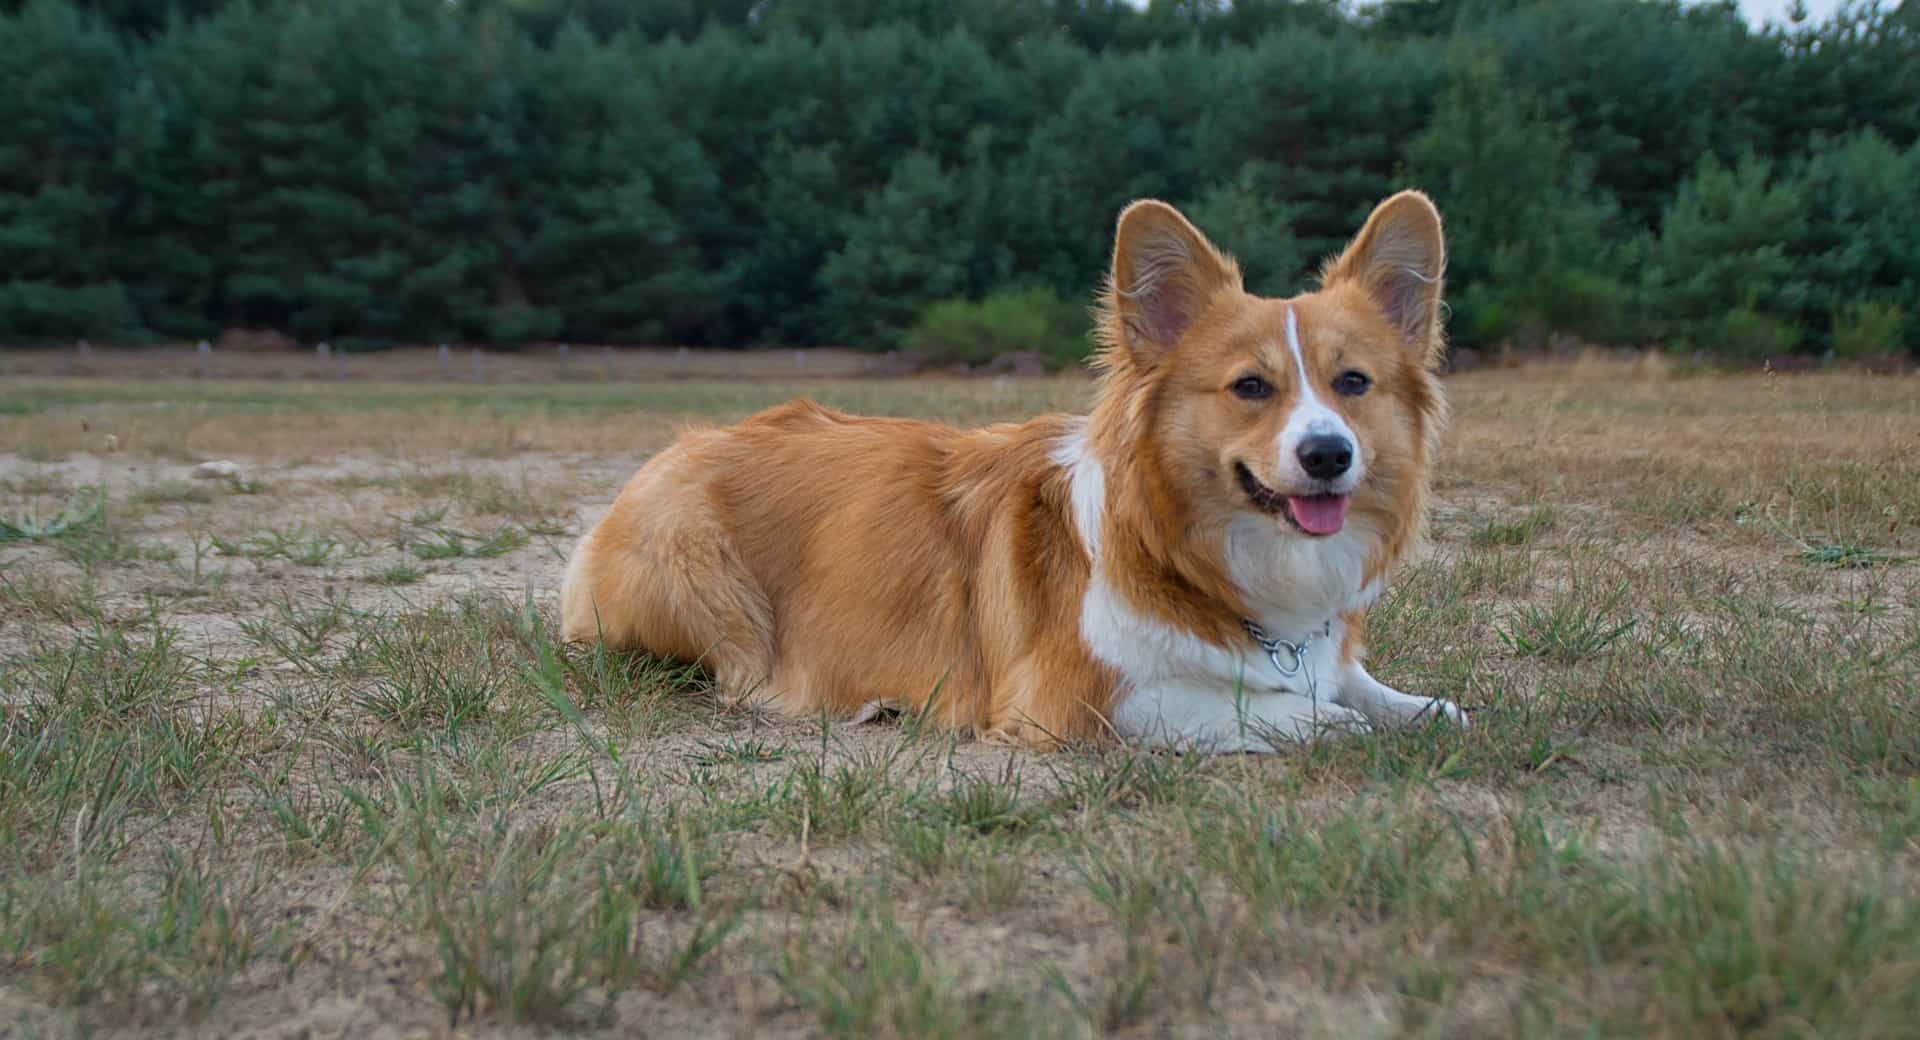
[1381,702]
[658,574]
[1212,720]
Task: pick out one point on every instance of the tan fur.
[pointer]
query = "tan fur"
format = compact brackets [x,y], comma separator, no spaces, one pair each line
[816,561]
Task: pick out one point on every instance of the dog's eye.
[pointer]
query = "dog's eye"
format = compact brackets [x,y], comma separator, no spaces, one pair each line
[1251,388]
[1351,383]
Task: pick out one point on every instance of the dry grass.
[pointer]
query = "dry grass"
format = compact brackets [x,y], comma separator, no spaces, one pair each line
[301,752]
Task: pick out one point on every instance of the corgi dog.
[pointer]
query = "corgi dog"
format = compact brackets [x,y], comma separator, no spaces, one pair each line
[1187,566]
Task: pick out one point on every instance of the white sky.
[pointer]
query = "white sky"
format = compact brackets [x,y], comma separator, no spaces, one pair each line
[1758,11]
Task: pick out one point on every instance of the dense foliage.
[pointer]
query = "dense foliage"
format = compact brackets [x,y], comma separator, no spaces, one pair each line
[821,171]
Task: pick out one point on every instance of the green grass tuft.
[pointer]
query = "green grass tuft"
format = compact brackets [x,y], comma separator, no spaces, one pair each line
[84,509]
[1565,632]
[1847,556]
[1523,531]
[449,544]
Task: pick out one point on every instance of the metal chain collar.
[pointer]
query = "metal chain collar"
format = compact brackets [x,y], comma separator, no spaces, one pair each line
[1295,654]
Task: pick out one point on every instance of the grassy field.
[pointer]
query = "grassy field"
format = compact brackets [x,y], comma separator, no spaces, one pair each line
[297,753]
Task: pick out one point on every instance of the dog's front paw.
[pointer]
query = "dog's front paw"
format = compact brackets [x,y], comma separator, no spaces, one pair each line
[1383,703]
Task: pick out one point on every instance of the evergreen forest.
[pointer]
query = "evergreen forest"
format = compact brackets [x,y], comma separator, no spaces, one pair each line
[867,172]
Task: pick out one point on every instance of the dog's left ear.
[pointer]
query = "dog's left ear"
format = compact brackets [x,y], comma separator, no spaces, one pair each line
[1165,275]
[1399,259]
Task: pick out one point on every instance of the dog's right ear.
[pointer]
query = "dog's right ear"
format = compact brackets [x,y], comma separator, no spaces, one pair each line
[1165,272]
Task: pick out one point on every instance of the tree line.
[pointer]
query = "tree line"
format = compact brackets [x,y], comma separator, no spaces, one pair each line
[828,171]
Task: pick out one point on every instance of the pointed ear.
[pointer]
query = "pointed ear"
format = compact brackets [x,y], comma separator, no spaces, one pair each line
[1164,274]
[1399,259]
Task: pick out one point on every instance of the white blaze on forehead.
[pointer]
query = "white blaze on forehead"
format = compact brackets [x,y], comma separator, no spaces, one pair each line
[1321,418]
[1311,417]
[1299,359]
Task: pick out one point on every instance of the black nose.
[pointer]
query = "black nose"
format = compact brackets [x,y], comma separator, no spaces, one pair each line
[1325,457]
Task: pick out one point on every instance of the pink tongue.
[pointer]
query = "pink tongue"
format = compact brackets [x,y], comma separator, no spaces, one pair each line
[1318,514]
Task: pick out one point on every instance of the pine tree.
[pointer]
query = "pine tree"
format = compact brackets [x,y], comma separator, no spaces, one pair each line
[1651,87]
[1255,224]
[801,226]
[1327,119]
[67,78]
[292,215]
[1528,234]
[187,166]
[603,255]
[1130,129]
[902,253]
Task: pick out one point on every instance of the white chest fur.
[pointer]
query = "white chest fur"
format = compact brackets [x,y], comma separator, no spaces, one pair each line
[1148,652]
[1293,583]
[1295,588]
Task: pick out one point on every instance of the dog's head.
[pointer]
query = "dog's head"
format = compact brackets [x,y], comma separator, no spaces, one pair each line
[1316,412]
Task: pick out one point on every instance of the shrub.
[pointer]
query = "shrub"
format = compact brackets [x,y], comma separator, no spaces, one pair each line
[1724,275]
[1868,328]
[1815,247]
[976,331]
[1863,200]
[30,309]
[1746,333]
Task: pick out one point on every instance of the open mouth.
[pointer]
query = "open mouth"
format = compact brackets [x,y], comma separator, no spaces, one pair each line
[1317,515]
